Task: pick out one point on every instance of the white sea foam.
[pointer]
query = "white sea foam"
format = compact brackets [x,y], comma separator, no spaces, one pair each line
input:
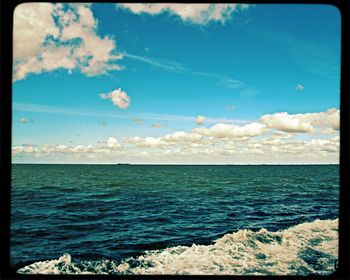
[308,248]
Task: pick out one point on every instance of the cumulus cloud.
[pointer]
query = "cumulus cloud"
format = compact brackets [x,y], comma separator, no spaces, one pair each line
[329,131]
[118,97]
[303,123]
[113,143]
[200,120]
[255,142]
[24,149]
[285,122]
[178,137]
[314,150]
[182,136]
[222,130]
[110,145]
[193,13]
[147,142]
[61,36]
[299,87]
[280,135]
[32,23]
[330,118]
[180,149]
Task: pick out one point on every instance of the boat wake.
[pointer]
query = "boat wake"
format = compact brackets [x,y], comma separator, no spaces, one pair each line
[307,248]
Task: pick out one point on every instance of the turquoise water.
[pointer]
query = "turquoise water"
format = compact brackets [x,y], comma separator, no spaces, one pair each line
[132,219]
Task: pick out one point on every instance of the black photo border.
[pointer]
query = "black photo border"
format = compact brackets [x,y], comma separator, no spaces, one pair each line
[6,24]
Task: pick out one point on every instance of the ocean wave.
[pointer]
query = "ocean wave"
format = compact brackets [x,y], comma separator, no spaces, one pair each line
[307,248]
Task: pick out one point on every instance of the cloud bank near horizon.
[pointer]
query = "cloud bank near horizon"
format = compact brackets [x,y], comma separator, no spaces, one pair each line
[271,138]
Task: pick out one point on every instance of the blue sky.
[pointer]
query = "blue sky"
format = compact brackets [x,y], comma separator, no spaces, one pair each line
[111,83]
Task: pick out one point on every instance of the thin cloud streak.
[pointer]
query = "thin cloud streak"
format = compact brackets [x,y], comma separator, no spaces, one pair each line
[38,108]
[313,58]
[179,68]
[159,63]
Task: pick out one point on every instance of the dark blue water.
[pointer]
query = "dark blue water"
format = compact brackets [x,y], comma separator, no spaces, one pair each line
[115,212]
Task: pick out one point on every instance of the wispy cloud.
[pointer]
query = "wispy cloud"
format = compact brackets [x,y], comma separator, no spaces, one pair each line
[313,58]
[200,120]
[176,67]
[173,66]
[299,87]
[38,108]
[138,121]
[178,118]
[22,120]
[231,83]
[156,125]
[230,107]
[158,62]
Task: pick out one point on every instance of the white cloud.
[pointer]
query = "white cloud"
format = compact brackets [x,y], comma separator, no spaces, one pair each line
[201,150]
[285,122]
[329,131]
[22,120]
[299,87]
[147,142]
[109,146]
[301,150]
[32,23]
[222,130]
[159,63]
[24,149]
[330,118]
[302,122]
[280,135]
[222,143]
[51,58]
[182,136]
[200,120]
[194,13]
[178,137]
[113,143]
[118,97]
[71,43]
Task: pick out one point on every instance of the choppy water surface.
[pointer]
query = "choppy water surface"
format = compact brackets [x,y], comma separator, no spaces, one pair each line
[134,219]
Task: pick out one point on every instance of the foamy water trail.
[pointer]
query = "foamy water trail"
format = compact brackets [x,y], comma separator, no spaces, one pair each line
[308,248]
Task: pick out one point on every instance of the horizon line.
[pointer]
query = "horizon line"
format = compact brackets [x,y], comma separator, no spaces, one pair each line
[174,164]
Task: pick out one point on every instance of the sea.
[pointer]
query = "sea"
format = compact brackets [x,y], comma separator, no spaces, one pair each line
[174,219]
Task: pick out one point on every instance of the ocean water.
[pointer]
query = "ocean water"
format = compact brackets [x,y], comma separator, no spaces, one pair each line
[149,219]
